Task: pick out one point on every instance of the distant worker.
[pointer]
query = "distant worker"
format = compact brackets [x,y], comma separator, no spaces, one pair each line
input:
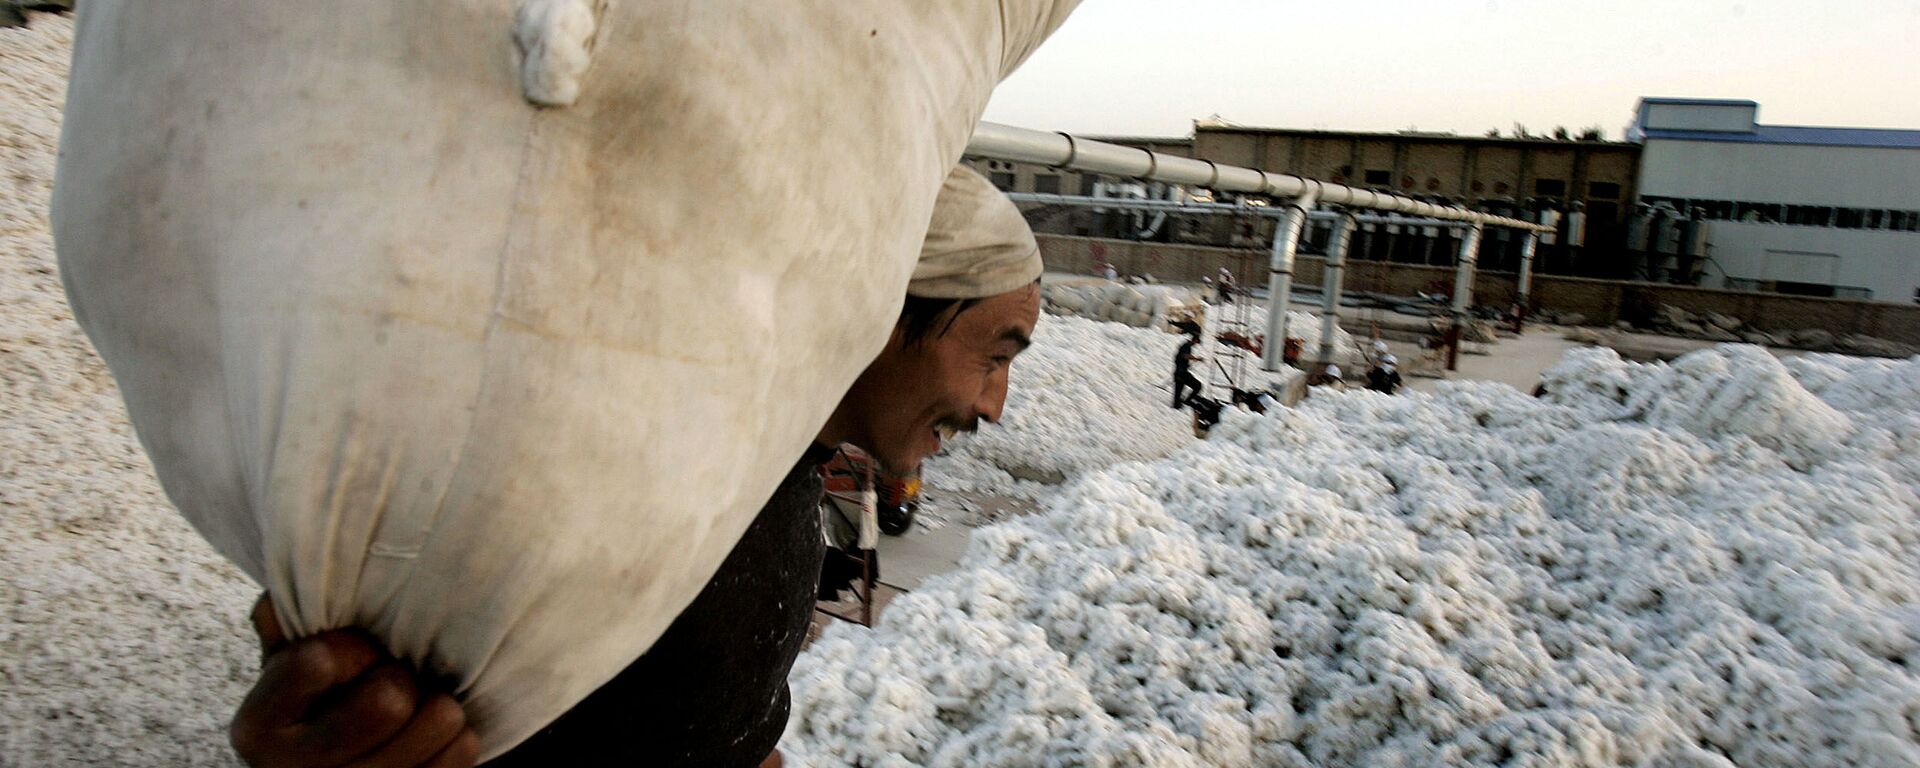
[1331,377]
[1225,288]
[1185,384]
[1384,377]
[1378,351]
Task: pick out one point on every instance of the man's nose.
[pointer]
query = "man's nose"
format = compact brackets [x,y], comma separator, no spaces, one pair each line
[994,400]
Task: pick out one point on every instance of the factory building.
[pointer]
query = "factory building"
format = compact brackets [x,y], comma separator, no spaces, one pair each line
[1584,185]
[1728,202]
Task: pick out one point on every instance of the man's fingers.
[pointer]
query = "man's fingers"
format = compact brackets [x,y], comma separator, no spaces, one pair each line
[436,725]
[293,680]
[267,625]
[358,719]
[462,753]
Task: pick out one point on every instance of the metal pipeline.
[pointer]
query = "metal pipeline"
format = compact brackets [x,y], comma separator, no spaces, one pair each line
[1061,150]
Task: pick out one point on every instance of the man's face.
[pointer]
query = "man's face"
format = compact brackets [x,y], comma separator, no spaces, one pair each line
[914,395]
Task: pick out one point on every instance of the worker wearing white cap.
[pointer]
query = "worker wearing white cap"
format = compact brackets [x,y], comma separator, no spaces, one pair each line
[1330,377]
[712,690]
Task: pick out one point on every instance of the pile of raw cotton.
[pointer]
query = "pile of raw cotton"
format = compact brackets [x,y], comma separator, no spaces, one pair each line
[1141,306]
[123,637]
[1704,563]
[1087,395]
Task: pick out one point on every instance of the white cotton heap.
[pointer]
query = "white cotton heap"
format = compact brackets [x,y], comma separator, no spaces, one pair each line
[1732,391]
[1140,306]
[1087,395]
[424,358]
[1474,577]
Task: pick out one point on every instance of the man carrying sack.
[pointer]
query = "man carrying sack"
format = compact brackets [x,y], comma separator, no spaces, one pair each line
[421,309]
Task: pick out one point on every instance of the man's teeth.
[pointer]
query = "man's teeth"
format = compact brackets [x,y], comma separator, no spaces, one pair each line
[945,432]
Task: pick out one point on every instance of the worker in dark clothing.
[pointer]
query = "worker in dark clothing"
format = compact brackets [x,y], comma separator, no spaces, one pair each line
[1185,384]
[1384,377]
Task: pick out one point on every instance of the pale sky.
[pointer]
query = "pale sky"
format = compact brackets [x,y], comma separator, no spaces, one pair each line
[1150,67]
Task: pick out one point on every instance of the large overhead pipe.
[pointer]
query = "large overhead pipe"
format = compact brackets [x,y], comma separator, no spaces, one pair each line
[1060,150]
[1286,242]
[1526,281]
[1223,209]
[1330,286]
[1462,293]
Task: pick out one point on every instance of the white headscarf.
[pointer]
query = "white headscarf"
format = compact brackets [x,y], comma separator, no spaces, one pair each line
[977,245]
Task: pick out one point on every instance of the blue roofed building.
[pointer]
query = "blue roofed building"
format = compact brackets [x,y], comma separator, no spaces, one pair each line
[1726,201]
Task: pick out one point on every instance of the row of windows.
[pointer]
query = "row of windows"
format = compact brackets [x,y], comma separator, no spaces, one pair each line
[1804,289]
[1802,215]
[1598,190]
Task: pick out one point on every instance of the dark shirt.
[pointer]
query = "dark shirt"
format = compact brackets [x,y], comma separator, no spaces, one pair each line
[713,690]
[1383,380]
[1184,357]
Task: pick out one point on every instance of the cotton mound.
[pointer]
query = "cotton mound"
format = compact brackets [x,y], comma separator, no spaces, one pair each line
[1087,395]
[122,635]
[1141,306]
[1474,577]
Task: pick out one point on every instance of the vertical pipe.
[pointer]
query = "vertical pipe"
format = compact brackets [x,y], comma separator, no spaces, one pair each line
[1526,279]
[1330,287]
[1286,241]
[1462,292]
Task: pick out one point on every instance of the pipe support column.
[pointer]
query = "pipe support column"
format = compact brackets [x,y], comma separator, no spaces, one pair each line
[1286,243]
[1331,286]
[1527,247]
[1462,292]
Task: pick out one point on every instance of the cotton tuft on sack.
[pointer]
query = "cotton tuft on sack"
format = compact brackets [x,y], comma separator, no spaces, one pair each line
[497,356]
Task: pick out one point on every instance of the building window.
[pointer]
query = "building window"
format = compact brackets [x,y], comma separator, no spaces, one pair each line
[1087,180]
[1810,215]
[1603,190]
[1047,183]
[1850,218]
[1550,187]
[1479,186]
[1002,179]
[1433,184]
[1802,289]
[1501,188]
[1379,178]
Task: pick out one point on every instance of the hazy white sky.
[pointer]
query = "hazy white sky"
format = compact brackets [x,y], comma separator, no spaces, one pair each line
[1152,66]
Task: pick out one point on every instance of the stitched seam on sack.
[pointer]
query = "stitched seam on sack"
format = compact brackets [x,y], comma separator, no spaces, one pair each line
[514,212]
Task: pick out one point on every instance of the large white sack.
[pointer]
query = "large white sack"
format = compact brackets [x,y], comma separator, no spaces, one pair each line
[502,383]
